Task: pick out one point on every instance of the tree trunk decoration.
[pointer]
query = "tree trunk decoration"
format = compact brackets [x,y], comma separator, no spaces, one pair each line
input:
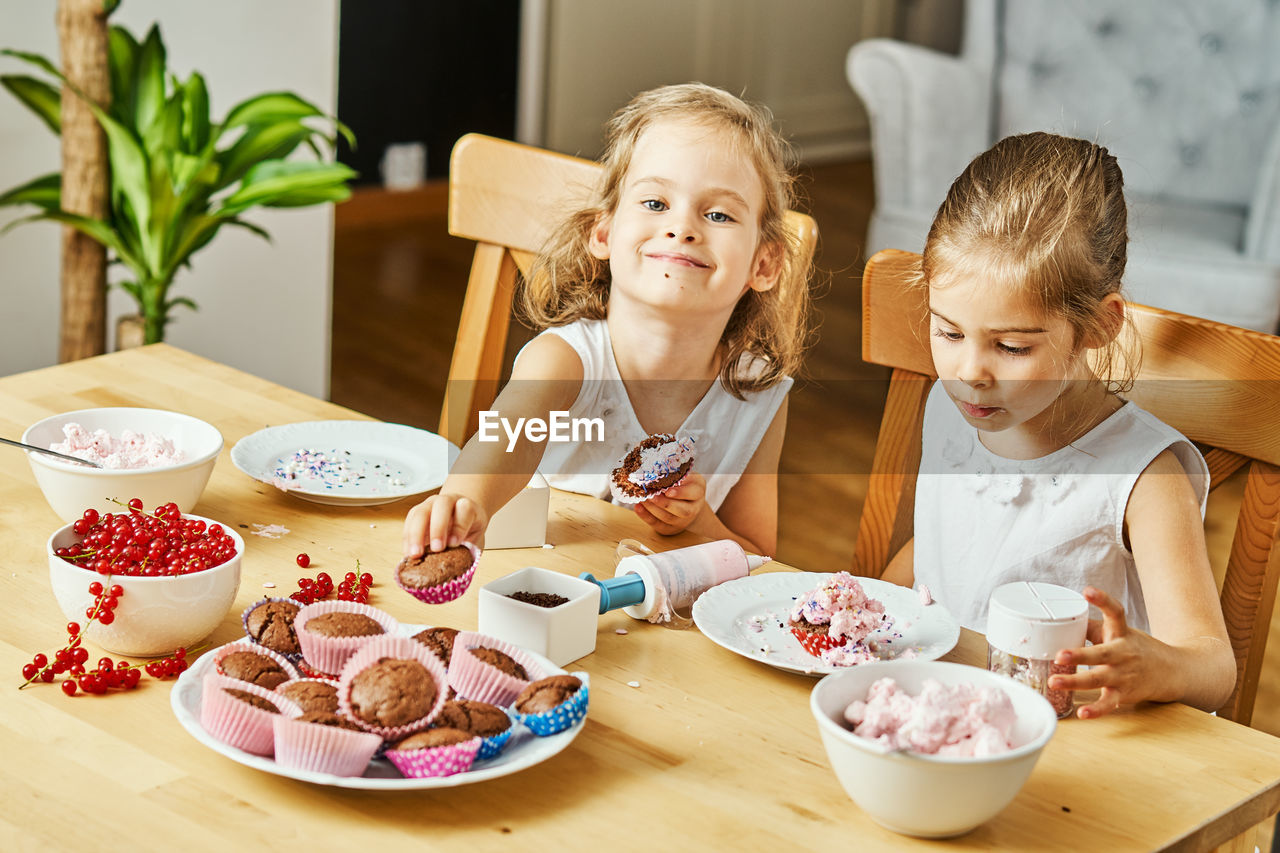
[82,34]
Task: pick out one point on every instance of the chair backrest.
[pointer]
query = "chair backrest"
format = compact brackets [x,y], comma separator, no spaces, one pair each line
[1226,398]
[508,198]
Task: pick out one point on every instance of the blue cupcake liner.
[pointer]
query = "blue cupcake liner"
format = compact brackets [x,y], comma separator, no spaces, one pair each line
[491,746]
[564,716]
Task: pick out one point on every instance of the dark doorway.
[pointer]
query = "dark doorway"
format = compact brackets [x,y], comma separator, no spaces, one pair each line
[425,71]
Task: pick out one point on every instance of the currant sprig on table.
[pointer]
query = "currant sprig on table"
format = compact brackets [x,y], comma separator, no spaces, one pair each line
[73,658]
[354,587]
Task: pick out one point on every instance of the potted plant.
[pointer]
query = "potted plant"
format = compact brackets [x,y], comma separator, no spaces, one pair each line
[176,178]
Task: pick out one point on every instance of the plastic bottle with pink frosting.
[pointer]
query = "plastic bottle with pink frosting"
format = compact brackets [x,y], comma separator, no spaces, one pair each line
[661,587]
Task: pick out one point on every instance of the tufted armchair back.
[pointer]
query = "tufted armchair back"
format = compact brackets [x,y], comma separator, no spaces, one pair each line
[1185,93]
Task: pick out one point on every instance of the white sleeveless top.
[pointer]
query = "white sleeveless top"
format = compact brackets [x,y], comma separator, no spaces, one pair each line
[726,430]
[982,520]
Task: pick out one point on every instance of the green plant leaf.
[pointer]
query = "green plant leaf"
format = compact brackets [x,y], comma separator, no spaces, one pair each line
[122,51]
[269,108]
[45,191]
[148,81]
[95,228]
[132,288]
[313,195]
[184,301]
[196,130]
[38,96]
[258,143]
[34,59]
[275,178]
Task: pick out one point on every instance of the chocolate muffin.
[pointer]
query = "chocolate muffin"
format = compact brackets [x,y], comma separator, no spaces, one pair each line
[632,462]
[341,623]
[431,738]
[311,696]
[546,693]
[392,693]
[254,668]
[439,640]
[253,699]
[271,624]
[322,718]
[501,661]
[435,567]
[479,718]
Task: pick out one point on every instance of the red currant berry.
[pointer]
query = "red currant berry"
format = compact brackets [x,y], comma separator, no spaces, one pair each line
[366,579]
[135,504]
[303,560]
[69,687]
[40,661]
[29,671]
[95,588]
[91,516]
[73,628]
[179,652]
[46,676]
[116,590]
[106,617]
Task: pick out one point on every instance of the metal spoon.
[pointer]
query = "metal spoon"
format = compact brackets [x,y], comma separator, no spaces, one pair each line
[48,452]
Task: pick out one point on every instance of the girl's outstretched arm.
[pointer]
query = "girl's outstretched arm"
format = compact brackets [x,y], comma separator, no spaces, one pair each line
[1187,657]
[547,377]
[749,513]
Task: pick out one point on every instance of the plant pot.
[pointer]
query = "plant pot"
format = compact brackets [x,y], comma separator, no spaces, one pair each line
[130,331]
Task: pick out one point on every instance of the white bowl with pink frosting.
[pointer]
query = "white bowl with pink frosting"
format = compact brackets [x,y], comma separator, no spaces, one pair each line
[937,750]
[152,454]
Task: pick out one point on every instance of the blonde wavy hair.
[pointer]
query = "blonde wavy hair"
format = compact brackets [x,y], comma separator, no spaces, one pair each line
[568,283]
[1045,215]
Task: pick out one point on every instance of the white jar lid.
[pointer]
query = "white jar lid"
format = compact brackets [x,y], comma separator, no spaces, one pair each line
[1036,620]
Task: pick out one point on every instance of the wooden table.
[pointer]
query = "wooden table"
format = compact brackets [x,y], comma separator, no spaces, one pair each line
[710,751]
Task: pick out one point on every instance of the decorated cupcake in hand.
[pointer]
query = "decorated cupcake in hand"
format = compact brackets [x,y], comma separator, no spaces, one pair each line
[837,613]
[651,467]
[439,576]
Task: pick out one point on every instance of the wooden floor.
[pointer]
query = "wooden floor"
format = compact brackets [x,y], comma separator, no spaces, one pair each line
[398,285]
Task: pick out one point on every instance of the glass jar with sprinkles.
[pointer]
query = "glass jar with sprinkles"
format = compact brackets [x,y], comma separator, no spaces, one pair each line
[1028,623]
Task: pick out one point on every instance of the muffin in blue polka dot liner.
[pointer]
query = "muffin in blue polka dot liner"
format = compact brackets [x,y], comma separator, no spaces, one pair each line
[551,705]
[489,722]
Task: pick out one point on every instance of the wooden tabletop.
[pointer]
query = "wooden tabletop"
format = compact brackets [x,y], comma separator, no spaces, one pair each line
[709,751]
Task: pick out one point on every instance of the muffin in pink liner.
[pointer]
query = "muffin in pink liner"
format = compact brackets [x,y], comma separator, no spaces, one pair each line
[438,577]
[320,743]
[325,655]
[245,660]
[312,694]
[436,752]
[473,678]
[269,622]
[380,691]
[551,705]
[234,720]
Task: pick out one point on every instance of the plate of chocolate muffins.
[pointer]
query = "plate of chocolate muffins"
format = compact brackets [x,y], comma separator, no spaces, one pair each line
[523,748]
[346,463]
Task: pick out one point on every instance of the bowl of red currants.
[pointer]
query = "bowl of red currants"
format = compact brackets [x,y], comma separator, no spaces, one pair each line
[152,454]
[144,582]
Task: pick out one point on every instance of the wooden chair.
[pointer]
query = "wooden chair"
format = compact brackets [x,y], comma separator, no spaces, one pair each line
[1227,399]
[508,197]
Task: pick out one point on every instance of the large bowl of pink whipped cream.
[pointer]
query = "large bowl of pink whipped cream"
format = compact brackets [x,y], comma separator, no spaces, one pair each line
[152,454]
[929,748]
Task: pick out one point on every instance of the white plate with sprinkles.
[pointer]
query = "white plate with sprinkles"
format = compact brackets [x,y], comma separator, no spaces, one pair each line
[748,616]
[346,463]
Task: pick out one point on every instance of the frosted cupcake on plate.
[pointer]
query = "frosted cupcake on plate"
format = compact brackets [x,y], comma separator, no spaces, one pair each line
[836,614]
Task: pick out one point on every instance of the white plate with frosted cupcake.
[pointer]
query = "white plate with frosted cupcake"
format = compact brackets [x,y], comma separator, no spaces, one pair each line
[815,623]
[226,725]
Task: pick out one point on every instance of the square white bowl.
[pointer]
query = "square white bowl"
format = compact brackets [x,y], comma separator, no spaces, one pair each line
[561,634]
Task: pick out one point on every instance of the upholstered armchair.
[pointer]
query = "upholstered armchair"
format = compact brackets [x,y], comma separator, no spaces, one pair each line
[1186,94]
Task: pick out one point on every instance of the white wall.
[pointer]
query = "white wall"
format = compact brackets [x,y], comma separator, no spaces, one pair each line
[264,308]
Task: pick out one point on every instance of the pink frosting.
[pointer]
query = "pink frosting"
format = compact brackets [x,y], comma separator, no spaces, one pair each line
[842,603]
[961,720]
[130,450]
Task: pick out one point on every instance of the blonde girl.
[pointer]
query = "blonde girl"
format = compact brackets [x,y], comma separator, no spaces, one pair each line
[675,302]
[1036,469]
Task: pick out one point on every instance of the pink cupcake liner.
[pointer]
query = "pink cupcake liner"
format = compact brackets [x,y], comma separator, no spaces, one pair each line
[315,674]
[475,679]
[247,645]
[326,655]
[244,621]
[399,648]
[436,761]
[566,715]
[323,749]
[450,590]
[236,722]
